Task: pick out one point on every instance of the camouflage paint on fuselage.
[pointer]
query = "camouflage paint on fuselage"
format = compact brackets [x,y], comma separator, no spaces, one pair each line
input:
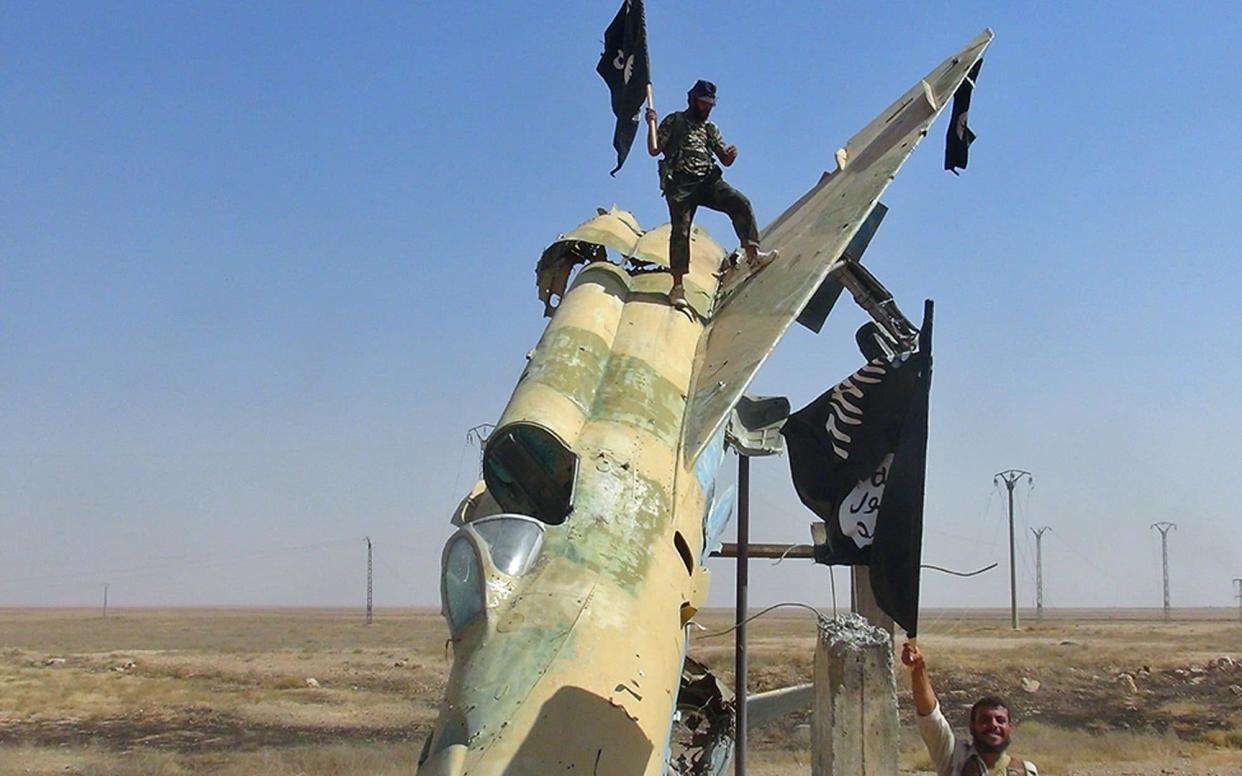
[575,664]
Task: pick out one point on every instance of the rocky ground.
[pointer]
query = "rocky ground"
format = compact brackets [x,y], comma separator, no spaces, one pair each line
[1186,768]
[1192,699]
[227,693]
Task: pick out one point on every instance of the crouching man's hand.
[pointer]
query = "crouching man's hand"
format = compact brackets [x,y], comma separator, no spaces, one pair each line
[912,656]
[920,683]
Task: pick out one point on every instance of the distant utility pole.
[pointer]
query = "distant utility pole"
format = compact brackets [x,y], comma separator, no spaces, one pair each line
[368,541]
[1164,527]
[105,606]
[1237,593]
[1039,572]
[480,434]
[1010,477]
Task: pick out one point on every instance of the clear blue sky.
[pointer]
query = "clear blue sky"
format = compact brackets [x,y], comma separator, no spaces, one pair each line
[261,266]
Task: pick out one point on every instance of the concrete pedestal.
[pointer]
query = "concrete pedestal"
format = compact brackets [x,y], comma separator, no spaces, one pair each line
[854,729]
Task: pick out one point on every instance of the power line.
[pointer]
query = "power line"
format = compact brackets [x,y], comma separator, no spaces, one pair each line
[474,435]
[1022,524]
[480,435]
[996,526]
[173,563]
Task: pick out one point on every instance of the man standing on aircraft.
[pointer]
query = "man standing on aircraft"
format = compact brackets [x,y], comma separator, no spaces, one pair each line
[990,726]
[689,178]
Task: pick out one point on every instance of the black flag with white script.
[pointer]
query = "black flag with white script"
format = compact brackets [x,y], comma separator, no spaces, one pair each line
[858,456]
[625,68]
[959,137]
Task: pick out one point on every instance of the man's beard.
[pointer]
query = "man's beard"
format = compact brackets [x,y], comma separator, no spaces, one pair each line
[699,115]
[981,746]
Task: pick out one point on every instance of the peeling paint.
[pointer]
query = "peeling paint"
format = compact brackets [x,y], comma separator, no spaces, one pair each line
[618,515]
[635,394]
[570,361]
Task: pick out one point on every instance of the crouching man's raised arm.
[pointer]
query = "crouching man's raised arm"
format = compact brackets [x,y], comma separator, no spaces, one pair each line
[934,729]
[924,696]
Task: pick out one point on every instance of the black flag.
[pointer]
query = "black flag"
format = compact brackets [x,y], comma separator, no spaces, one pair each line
[959,137]
[858,456]
[626,70]
[898,549]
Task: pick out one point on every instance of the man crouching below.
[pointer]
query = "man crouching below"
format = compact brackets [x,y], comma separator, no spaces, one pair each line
[990,726]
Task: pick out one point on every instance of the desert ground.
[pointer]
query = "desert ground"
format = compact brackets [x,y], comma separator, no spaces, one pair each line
[315,691]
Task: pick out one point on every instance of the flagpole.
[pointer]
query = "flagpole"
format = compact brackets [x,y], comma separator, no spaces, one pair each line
[743,581]
[647,57]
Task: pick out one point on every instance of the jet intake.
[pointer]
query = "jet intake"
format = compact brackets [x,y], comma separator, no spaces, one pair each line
[529,471]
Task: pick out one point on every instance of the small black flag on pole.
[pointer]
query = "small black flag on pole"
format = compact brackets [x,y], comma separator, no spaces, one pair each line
[627,71]
[959,137]
[858,456]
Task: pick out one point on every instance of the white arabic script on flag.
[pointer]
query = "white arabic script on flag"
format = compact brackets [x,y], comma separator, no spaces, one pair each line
[859,509]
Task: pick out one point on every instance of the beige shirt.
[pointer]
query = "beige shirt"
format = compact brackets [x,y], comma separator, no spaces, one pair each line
[948,754]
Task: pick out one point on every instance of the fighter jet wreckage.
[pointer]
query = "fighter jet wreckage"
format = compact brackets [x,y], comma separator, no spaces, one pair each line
[579,559]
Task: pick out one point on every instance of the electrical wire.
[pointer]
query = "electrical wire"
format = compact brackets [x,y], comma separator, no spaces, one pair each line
[785,554]
[944,570]
[457,475]
[799,604]
[946,624]
[1024,523]
[176,564]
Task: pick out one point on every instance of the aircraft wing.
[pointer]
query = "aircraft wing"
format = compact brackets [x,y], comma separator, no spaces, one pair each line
[810,236]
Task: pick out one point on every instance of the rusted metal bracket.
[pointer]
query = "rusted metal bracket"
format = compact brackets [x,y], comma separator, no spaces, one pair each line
[872,296]
[729,550]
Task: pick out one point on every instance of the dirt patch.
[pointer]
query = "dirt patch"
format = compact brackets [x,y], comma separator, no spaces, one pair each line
[193,732]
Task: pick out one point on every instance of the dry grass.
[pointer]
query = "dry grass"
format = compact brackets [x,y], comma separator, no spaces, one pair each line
[1056,749]
[225,692]
[216,691]
[1228,739]
[328,760]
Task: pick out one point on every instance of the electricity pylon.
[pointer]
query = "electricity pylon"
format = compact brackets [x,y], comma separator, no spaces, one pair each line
[1164,527]
[1010,477]
[367,539]
[1039,571]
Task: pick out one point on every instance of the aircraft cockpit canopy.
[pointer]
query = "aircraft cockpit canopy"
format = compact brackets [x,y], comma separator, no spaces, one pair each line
[512,541]
[462,584]
[480,559]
